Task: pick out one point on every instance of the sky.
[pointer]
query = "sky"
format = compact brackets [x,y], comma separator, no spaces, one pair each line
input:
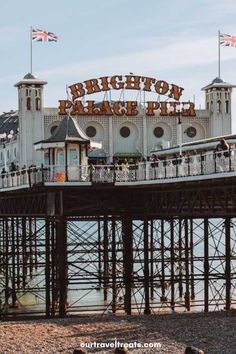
[170,40]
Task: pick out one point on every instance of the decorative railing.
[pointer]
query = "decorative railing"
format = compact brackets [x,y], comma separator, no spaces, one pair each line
[211,163]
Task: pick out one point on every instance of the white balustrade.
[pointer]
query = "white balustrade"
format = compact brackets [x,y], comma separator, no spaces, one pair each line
[180,167]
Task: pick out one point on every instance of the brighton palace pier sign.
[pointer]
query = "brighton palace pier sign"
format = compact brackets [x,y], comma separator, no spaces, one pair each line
[172,107]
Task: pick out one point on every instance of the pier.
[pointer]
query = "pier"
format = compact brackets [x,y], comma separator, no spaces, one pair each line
[135,239]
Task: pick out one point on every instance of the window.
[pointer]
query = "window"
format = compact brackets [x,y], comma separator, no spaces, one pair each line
[191,132]
[226,106]
[125,132]
[28,104]
[218,106]
[91,131]
[53,128]
[73,157]
[158,132]
[37,104]
[60,157]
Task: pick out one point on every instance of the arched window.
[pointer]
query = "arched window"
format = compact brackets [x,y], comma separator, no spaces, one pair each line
[73,157]
[60,157]
[28,104]
[226,106]
[218,106]
[53,128]
[37,104]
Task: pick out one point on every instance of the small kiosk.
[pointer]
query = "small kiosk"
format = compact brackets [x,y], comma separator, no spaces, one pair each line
[67,150]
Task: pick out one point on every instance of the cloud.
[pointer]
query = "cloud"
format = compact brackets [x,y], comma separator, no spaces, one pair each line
[176,55]
[8,33]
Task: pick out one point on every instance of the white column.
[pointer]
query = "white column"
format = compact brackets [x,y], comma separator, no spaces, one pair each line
[144,135]
[110,139]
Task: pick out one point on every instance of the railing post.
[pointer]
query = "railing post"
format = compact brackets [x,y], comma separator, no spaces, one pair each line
[176,166]
[91,173]
[230,163]
[215,160]
[201,156]
[42,170]
[29,177]
[114,174]
[135,171]
[188,161]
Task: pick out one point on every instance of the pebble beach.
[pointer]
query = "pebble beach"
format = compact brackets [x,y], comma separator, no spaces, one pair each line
[214,333]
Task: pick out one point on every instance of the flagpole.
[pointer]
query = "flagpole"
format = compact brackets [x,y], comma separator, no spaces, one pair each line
[31,51]
[219,54]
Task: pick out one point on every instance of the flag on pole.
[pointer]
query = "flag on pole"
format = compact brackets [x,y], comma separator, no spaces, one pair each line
[43,36]
[227,40]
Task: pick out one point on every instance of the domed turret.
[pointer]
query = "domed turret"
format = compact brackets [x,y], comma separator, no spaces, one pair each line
[31,118]
[218,102]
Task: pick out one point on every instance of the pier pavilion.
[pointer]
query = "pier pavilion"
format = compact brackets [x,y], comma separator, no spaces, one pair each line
[139,238]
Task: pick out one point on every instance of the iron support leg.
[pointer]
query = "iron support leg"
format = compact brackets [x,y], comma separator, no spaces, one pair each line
[206,266]
[228,264]
[127,235]
[146,269]
[187,294]
[114,291]
[47,268]
[105,260]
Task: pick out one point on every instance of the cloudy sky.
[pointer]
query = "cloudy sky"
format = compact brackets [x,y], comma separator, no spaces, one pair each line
[172,40]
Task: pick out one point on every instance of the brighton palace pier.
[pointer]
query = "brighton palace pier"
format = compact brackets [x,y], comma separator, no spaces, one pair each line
[118,205]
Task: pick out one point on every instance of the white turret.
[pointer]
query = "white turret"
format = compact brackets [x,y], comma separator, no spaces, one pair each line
[31,119]
[218,102]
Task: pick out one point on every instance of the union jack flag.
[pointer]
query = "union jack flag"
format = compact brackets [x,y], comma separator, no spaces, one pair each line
[226,40]
[43,36]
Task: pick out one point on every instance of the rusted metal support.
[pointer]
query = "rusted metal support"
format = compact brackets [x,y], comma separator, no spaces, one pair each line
[47,268]
[191,261]
[180,263]
[105,259]
[163,285]
[206,265]
[147,310]
[227,264]
[61,239]
[24,251]
[151,259]
[127,237]
[172,262]
[6,234]
[35,245]
[187,293]
[13,255]
[30,234]
[113,255]
[18,280]
[54,271]
[99,254]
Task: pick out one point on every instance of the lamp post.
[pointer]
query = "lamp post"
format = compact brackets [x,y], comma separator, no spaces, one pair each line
[3,140]
[178,112]
[179,108]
